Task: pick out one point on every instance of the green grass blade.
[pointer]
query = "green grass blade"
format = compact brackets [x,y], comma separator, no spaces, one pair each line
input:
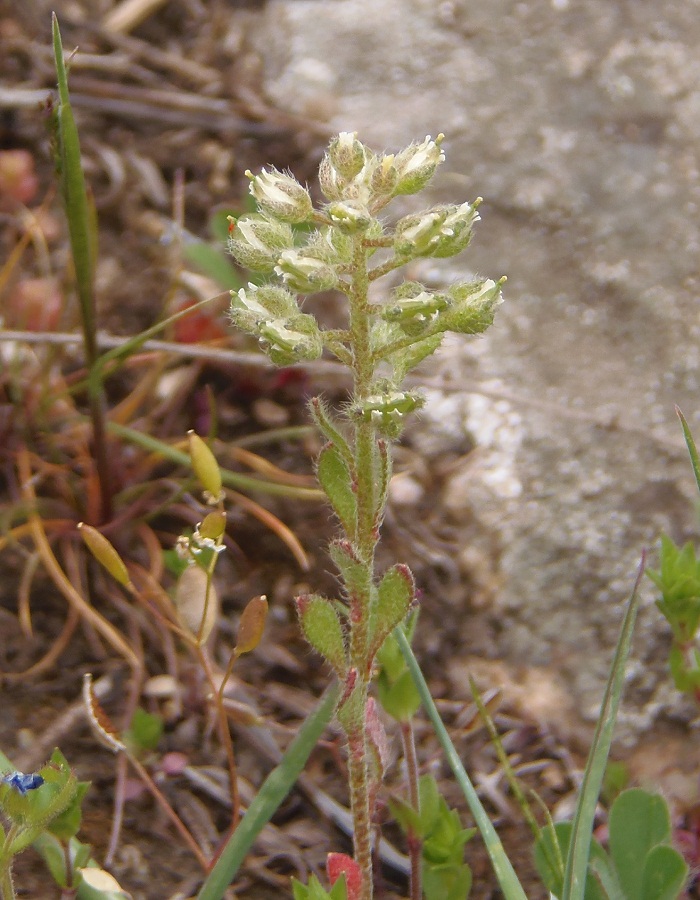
[230,479]
[75,198]
[268,799]
[579,848]
[507,879]
[692,449]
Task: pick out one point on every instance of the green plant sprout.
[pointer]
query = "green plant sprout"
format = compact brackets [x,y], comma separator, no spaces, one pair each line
[347,247]
[678,579]
[43,809]
[641,863]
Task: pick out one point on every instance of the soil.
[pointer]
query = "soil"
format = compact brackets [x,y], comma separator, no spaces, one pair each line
[170,119]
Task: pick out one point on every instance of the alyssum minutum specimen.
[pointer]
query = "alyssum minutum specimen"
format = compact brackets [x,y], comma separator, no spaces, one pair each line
[346,246]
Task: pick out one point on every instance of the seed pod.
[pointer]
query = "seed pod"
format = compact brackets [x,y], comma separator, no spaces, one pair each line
[197,603]
[205,465]
[104,553]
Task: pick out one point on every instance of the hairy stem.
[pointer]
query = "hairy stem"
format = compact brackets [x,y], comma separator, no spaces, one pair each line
[365,541]
[415,844]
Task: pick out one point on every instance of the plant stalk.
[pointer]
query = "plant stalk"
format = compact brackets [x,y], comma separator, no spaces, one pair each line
[365,541]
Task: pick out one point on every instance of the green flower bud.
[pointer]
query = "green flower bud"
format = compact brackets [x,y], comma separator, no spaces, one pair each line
[415,235]
[252,305]
[350,216]
[456,230]
[414,314]
[385,177]
[256,242]
[280,195]
[347,155]
[305,274]
[292,340]
[416,165]
[439,232]
[331,245]
[331,181]
[386,410]
[474,306]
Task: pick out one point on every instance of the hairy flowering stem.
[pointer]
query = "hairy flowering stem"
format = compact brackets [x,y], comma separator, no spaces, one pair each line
[354,466]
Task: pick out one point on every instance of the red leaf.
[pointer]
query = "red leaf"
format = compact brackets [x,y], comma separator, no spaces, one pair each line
[336,864]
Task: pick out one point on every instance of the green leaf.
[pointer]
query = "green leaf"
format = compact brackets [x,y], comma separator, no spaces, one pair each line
[145,731]
[447,881]
[67,824]
[337,481]
[322,628]
[606,878]
[406,816]
[692,449]
[664,875]
[329,429]
[53,853]
[80,216]
[268,799]
[502,866]
[211,261]
[576,870]
[408,358]
[395,594]
[638,822]
[352,571]
[546,852]
[400,699]
[314,890]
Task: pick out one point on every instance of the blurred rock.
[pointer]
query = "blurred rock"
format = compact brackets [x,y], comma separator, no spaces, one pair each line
[578,121]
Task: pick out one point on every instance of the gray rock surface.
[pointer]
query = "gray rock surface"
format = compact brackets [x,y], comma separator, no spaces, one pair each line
[578,121]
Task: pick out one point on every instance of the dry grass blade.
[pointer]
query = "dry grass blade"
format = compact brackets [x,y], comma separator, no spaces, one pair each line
[56,573]
[283,532]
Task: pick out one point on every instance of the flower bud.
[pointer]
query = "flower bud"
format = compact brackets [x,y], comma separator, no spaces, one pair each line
[350,216]
[331,181]
[385,177]
[252,305]
[386,410]
[415,234]
[289,341]
[416,165]
[305,274]
[474,306]
[456,230]
[415,312]
[256,242]
[347,155]
[440,232]
[280,195]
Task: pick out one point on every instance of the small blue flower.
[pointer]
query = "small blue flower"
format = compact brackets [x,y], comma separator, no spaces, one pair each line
[23,783]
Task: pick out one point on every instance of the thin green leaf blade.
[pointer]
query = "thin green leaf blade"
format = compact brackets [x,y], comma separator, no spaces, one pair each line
[505,874]
[577,859]
[268,799]
[690,443]
[75,197]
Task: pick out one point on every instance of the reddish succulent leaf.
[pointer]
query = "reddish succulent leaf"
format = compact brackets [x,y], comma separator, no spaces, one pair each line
[339,863]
